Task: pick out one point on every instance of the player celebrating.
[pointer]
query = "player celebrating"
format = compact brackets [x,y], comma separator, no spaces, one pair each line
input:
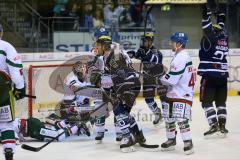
[126,87]
[12,85]
[150,57]
[178,101]
[213,68]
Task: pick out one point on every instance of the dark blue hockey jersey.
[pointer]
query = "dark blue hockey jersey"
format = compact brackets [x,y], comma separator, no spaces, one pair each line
[152,55]
[213,52]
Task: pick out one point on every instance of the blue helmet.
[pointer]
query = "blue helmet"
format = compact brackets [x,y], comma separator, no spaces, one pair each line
[180,37]
[101,31]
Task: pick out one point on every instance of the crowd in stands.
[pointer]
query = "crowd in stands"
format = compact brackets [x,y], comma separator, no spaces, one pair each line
[89,14]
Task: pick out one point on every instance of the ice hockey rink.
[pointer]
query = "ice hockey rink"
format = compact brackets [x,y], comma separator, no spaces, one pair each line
[84,148]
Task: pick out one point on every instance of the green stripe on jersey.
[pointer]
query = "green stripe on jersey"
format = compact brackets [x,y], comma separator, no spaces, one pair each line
[3,53]
[181,72]
[14,64]
[8,135]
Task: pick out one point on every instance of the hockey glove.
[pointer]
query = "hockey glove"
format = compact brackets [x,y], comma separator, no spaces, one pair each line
[131,54]
[95,79]
[140,52]
[121,73]
[19,93]
[206,12]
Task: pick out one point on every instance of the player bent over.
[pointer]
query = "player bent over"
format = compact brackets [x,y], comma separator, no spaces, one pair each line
[179,98]
[126,86]
[11,85]
[80,104]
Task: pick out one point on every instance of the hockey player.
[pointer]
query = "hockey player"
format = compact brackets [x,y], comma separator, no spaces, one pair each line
[74,81]
[178,101]
[34,128]
[106,83]
[213,68]
[151,58]
[12,85]
[126,86]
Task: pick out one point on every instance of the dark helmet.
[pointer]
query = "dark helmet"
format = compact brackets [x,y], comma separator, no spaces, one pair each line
[106,41]
[148,36]
[78,70]
[179,37]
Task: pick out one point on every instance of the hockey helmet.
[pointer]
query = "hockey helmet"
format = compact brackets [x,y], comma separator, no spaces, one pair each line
[106,41]
[147,36]
[101,31]
[219,31]
[78,70]
[180,37]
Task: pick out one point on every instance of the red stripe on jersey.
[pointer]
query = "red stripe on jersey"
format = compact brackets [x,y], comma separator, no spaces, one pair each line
[8,141]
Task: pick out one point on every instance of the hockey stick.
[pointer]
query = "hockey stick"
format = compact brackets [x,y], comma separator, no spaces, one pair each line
[37,149]
[30,96]
[150,146]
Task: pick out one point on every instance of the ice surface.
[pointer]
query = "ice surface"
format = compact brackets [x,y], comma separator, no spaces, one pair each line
[84,148]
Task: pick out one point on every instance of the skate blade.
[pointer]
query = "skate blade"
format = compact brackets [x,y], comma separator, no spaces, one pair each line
[118,142]
[222,135]
[211,136]
[128,149]
[171,148]
[98,141]
[191,151]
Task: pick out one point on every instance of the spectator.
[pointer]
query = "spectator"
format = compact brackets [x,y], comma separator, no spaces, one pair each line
[111,13]
[125,19]
[74,13]
[59,8]
[98,18]
[87,17]
[135,11]
[150,18]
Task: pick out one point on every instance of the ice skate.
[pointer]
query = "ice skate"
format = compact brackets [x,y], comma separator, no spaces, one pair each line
[188,147]
[127,145]
[222,130]
[118,138]
[213,129]
[169,145]
[8,153]
[99,137]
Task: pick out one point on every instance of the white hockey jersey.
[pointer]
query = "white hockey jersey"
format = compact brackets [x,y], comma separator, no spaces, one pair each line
[11,63]
[181,77]
[71,82]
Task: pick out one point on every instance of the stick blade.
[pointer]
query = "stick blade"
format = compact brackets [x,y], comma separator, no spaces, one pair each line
[30,148]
